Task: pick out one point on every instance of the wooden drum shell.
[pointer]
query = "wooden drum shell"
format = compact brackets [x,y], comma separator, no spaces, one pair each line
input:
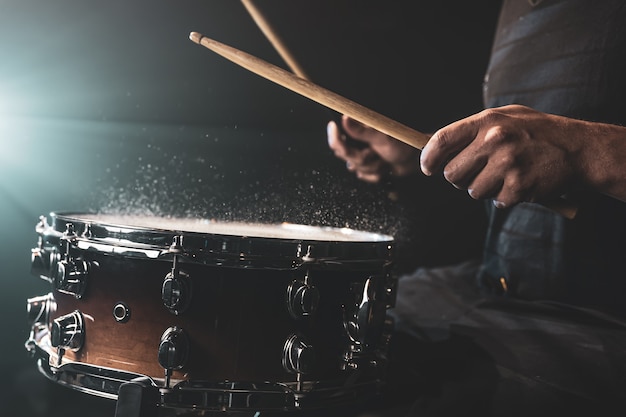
[237,321]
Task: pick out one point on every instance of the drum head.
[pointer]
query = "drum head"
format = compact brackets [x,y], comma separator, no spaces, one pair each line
[221,242]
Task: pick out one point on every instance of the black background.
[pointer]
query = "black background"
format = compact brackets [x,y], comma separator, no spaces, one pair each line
[108,106]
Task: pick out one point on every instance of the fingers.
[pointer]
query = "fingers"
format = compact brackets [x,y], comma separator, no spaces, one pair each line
[463,168]
[364,162]
[447,142]
[355,129]
[340,145]
[470,162]
[334,140]
[489,174]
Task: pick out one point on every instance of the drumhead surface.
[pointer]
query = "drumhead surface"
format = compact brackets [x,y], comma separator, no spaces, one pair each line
[286,231]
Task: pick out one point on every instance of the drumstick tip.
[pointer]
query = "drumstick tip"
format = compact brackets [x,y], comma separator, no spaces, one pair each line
[196,37]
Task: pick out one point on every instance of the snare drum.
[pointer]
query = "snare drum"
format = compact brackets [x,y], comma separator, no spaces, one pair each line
[213,315]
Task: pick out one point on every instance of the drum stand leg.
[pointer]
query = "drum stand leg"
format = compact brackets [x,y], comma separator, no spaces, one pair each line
[137,398]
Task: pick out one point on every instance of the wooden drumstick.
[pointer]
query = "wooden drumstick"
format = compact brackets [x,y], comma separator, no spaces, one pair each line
[291,61]
[274,39]
[314,92]
[336,102]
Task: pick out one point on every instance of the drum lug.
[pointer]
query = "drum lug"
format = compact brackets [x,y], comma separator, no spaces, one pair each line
[173,351]
[70,274]
[67,332]
[364,321]
[176,289]
[71,277]
[302,298]
[38,312]
[41,260]
[355,357]
[38,264]
[298,355]
[38,309]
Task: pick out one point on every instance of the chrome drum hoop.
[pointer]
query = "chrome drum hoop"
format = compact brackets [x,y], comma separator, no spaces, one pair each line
[206,395]
[287,246]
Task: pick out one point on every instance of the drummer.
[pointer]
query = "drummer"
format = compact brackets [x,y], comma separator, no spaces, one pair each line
[539,325]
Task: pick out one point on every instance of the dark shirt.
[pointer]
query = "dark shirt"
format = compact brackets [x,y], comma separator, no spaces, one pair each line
[565,57]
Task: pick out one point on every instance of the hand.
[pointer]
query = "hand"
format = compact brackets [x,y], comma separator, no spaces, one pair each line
[513,154]
[380,157]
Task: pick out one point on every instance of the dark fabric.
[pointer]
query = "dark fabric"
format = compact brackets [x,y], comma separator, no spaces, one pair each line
[459,353]
[564,57]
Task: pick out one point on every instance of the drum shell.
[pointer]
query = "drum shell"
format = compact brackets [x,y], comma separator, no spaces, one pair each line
[237,321]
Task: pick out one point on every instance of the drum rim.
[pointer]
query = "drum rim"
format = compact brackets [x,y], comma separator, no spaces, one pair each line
[104,382]
[75,217]
[214,249]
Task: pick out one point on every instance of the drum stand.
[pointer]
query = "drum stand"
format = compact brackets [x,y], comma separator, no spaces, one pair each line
[139,398]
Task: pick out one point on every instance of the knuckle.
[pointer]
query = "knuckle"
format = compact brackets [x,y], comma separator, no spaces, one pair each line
[496,135]
[508,161]
[513,192]
[442,139]
[489,116]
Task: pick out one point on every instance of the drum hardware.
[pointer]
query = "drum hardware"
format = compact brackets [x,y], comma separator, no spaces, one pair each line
[87,231]
[302,297]
[364,323]
[38,266]
[176,288]
[70,274]
[354,358]
[38,310]
[121,312]
[137,398]
[362,320]
[298,358]
[308,256]
[67,332]
[173,351]
[357,357]
[42,259]
[95,380]
[298,355]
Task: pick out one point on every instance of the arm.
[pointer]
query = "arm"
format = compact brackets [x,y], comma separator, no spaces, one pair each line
[513,154]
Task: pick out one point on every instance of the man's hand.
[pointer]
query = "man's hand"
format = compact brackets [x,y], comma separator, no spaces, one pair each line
[513,154]
[380,157]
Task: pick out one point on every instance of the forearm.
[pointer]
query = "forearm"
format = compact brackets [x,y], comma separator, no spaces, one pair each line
[602,160]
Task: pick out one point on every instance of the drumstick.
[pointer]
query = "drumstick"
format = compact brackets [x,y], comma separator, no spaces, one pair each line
[291,61]
[338,103]
[314,92]
[274,39]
